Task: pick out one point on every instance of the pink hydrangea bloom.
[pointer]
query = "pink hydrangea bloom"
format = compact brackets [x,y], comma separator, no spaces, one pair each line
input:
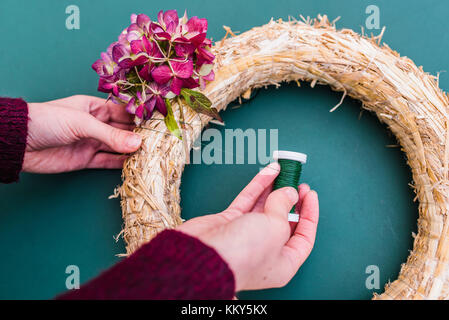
[153,60]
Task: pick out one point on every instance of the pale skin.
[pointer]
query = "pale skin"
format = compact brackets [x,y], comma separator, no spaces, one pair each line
[76,133]
[252,235]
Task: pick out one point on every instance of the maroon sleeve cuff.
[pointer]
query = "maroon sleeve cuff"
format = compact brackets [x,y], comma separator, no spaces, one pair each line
[171,266]
[13,134]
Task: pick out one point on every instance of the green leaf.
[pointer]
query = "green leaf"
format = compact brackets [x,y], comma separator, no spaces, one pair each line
[200,103]
[170,121]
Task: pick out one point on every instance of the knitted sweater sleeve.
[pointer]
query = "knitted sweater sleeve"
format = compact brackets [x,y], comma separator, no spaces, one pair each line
[13,134]
[171,266]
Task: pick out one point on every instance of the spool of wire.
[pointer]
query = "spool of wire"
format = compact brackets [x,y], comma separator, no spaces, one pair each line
[291,167]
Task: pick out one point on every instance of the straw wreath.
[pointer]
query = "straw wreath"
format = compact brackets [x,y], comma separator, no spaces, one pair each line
[403,96]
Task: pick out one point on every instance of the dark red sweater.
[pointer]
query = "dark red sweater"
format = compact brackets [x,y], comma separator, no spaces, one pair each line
[171,266]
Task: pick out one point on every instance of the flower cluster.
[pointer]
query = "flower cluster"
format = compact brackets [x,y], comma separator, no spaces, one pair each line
[152,62]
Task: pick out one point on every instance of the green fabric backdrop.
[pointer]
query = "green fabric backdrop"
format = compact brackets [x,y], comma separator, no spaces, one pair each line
[48,222]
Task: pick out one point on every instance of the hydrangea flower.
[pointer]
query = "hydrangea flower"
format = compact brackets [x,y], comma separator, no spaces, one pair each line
[153,62]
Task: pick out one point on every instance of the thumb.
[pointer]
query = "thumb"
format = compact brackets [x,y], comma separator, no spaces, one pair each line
[121,141]
[280,202]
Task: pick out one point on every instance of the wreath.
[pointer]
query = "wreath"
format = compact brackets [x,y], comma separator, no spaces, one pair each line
[163,71]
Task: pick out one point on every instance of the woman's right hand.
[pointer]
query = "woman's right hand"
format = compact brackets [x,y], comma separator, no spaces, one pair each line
[253,234]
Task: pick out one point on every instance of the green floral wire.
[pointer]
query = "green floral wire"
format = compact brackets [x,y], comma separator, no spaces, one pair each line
[288,176]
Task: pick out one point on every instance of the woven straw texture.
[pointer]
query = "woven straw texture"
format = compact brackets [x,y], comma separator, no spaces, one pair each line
[402,95]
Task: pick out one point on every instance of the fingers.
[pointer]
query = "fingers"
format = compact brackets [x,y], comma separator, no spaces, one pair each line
[123,126]
[280,202]
[117,113]
[247,198]
[107,111]
[104,160]
[120,141]
[298,248]
[303,189]
[260,203]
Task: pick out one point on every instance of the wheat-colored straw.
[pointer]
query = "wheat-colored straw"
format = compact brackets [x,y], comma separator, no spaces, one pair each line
[402,95]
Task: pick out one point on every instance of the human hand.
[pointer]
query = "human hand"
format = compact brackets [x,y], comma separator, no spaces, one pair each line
[78,132]
[253,234]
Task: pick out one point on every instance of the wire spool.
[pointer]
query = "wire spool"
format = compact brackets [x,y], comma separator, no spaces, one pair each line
[290,172]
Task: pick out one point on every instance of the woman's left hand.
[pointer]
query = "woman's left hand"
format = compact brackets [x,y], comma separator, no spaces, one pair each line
[253,234]
[78,132]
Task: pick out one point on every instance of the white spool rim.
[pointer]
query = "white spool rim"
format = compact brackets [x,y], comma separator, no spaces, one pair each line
[290,155]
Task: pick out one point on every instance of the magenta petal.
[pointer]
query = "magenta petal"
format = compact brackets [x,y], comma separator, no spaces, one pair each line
[143,20]
[182,69]
[104,86]
[126,63]
[132,62]
[98,66]
[171,18]
[130,107]
[134,32]
[190,83]
[118,51]
[123,38]
[161,74]
[184,49]
[139,111]
[144,73]
[124,97]
[181,39]
[162,36]
[115,90]
[176,85]
[198,39]
[160,105]
[155,28]
[106,57]
[149,106]
[197,25]
[147,45]
[205,54]
[160,17]
[163,90]
[171,28]
[136,46]
[140,59]
[155,52]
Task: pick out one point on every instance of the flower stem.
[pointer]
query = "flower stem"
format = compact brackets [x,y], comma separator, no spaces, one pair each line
[183,130]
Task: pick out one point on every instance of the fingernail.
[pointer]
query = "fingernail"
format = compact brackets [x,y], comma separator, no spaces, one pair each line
[134,141]
[272,169]
[292,194]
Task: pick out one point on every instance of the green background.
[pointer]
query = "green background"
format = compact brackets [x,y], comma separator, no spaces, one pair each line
[367,212]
